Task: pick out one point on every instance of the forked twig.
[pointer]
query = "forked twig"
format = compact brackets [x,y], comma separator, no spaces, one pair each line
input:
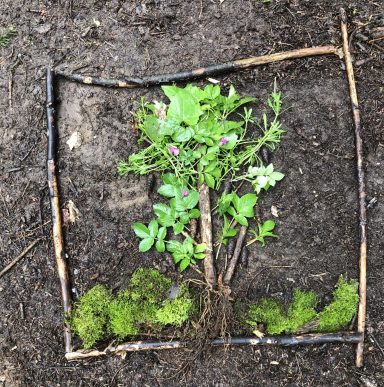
[362,189]
[132,82]
[57,231]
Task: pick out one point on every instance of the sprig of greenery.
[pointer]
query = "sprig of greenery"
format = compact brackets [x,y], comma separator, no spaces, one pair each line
[264,230]
[186,253]
[6,36]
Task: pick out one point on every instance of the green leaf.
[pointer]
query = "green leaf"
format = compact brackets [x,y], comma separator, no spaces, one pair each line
[184,218]
[241,219]
[210,180]
[173,246]
[268,225]
[200,248]
[178,228]
[170,178]
[194,213]
[167,190]
[160,246]
[191,200]
[184,264]
[277,176]
[199,256]
[246,204]
[153,227]
[146,244]
[141,230]
[184,106]
[232,140]
[183,134]
[162,233]
[166,216]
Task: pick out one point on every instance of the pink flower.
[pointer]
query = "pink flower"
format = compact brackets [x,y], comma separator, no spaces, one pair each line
[184,193]
[175,151]
[223,141]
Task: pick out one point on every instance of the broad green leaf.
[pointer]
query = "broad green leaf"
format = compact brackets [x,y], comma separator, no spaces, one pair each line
[199,256]
[211,92]
[183,134]
[151,128]
[178,228]
[162,233]
[268,225]
[141,230]
[277,176]
[241,219]
[246,204]
[170,178]
[177,257]
[166,216]
[184,264]
[184,106]
[191,200]
[167,190]
[173,246]
[146,244]
[200,248]
[269,169]
[232,140]
[184,217]
[153,227]
[160,246]
[231,211]
[194,213]
[210,180]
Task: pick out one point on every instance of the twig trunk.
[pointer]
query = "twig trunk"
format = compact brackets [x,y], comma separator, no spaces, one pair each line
[286,341]
[200,72]
[206,234]
[236,254]
[362,189]
[57,231]
[19,257]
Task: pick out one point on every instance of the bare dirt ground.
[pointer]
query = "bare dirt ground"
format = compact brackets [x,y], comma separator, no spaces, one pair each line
[317,202]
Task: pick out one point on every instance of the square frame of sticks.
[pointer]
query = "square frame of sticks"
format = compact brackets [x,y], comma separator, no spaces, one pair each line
[356,337]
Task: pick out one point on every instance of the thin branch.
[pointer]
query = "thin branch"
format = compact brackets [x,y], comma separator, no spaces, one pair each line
[132,82]
[286,341]
[206,234]
[236,255]
[19,257]
[361,187]
[58,241]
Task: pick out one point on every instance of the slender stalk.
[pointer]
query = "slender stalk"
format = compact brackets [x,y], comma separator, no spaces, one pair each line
[286,341]
[361,188]
[129,82]
[57,231]
[206,234]
[236,254]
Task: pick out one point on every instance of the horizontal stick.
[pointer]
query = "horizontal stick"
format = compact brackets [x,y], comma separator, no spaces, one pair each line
[285,341]
[132,82]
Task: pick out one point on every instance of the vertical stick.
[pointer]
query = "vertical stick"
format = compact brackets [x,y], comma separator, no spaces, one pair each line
[206,234]
[57,231]
[362,193]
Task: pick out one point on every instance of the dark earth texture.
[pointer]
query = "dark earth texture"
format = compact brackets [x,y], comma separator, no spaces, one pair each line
[316,202]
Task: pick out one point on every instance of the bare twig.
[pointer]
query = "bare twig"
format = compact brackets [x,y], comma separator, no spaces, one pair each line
[362,189]
[236,254]
[286,341]
[19,257]
[58,240]
[206,234]
[201,72]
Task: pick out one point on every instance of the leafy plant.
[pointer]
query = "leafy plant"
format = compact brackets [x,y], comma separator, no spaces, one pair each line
[151,301]
[186,253]
[6,36]
[281,317]
[264,230]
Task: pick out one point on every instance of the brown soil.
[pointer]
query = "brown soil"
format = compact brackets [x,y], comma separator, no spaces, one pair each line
[317,201]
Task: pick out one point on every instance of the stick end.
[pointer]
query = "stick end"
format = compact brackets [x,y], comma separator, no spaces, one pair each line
[343,15]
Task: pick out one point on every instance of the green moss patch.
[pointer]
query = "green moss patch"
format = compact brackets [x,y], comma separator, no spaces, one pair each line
[289,318]
[147,303]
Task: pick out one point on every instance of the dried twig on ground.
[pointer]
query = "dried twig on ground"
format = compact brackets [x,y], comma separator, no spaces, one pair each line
[362,189]
[19,257]
[201,72]
[58,241]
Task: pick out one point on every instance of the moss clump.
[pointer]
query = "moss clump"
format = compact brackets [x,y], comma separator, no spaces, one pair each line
[282,318]
[90,317]
[340,311]
[177,310]
[143,305]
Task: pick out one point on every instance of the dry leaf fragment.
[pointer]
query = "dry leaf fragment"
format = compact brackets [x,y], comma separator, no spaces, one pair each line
[274,211]
[75,140]
[258,333]
[73,212]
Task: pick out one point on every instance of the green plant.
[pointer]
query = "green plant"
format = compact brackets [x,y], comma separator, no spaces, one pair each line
[186,253]
[289,318]
[90,317]
[195,137]
[6,36]
[341,310]
[264,230]
[280,318]
[151,301]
